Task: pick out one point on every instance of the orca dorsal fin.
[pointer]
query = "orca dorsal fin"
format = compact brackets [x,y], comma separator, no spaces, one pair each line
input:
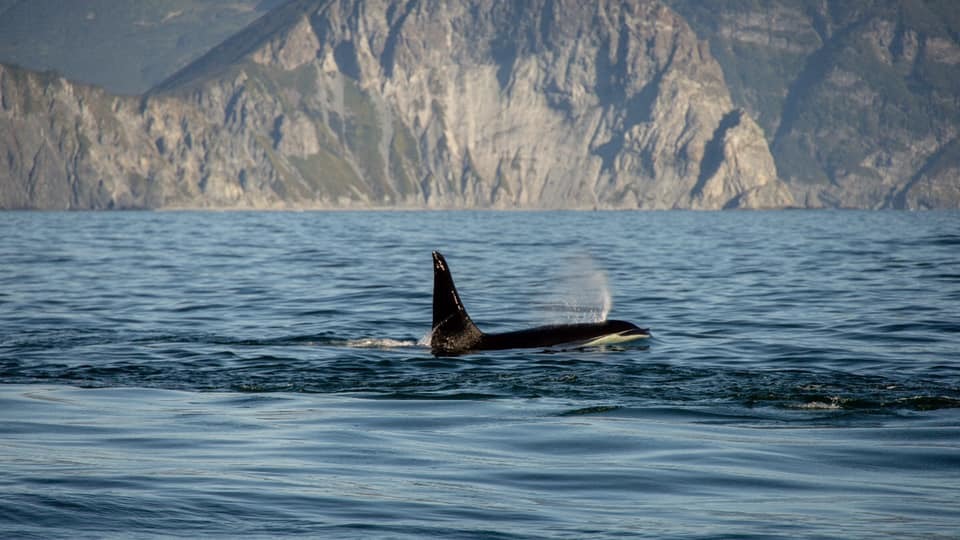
[453,330]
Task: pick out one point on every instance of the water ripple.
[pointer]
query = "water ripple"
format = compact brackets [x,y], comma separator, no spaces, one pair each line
[264,374]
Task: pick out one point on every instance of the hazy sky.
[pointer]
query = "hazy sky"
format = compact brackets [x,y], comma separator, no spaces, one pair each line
[124,46]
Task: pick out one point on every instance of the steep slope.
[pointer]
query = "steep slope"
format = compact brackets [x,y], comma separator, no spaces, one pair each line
[441,104]
[858,99]
[66,145]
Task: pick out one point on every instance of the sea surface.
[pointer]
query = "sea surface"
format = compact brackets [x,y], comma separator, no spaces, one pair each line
[265,374]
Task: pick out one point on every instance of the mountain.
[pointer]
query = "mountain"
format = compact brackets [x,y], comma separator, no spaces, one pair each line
[859,100]
[474,103]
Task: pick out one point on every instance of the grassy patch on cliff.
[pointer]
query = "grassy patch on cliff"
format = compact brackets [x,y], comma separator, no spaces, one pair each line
[362,134]
[404,159]
[329,175]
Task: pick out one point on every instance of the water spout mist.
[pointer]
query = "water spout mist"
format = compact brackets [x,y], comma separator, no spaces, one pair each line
[581,293]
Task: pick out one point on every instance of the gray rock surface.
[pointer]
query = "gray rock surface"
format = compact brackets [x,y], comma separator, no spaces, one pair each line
[349,104]
[859,100]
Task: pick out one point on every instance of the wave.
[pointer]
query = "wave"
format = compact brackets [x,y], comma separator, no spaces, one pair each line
[381,343]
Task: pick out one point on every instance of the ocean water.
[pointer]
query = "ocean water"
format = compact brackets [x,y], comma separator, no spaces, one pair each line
[265,374]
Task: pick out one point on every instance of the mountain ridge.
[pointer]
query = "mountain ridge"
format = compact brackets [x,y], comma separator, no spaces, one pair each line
[342,104]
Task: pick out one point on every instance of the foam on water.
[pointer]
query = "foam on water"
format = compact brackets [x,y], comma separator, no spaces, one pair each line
[381,343]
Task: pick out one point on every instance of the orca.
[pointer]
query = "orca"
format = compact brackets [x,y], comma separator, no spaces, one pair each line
[455,333]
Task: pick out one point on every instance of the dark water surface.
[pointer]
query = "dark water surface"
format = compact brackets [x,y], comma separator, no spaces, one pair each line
[264,374]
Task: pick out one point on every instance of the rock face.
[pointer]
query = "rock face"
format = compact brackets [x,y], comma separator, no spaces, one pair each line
[858,100]
[341,104]
[68,146]
[543,104]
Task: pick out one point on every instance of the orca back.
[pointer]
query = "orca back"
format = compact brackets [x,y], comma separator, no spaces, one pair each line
[453,330]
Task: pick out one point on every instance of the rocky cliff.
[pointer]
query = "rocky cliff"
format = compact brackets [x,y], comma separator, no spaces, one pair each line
[339,104]
[859,100]
[415,104]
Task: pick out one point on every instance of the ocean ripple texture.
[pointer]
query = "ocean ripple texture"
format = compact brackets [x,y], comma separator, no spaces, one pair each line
[265,374]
